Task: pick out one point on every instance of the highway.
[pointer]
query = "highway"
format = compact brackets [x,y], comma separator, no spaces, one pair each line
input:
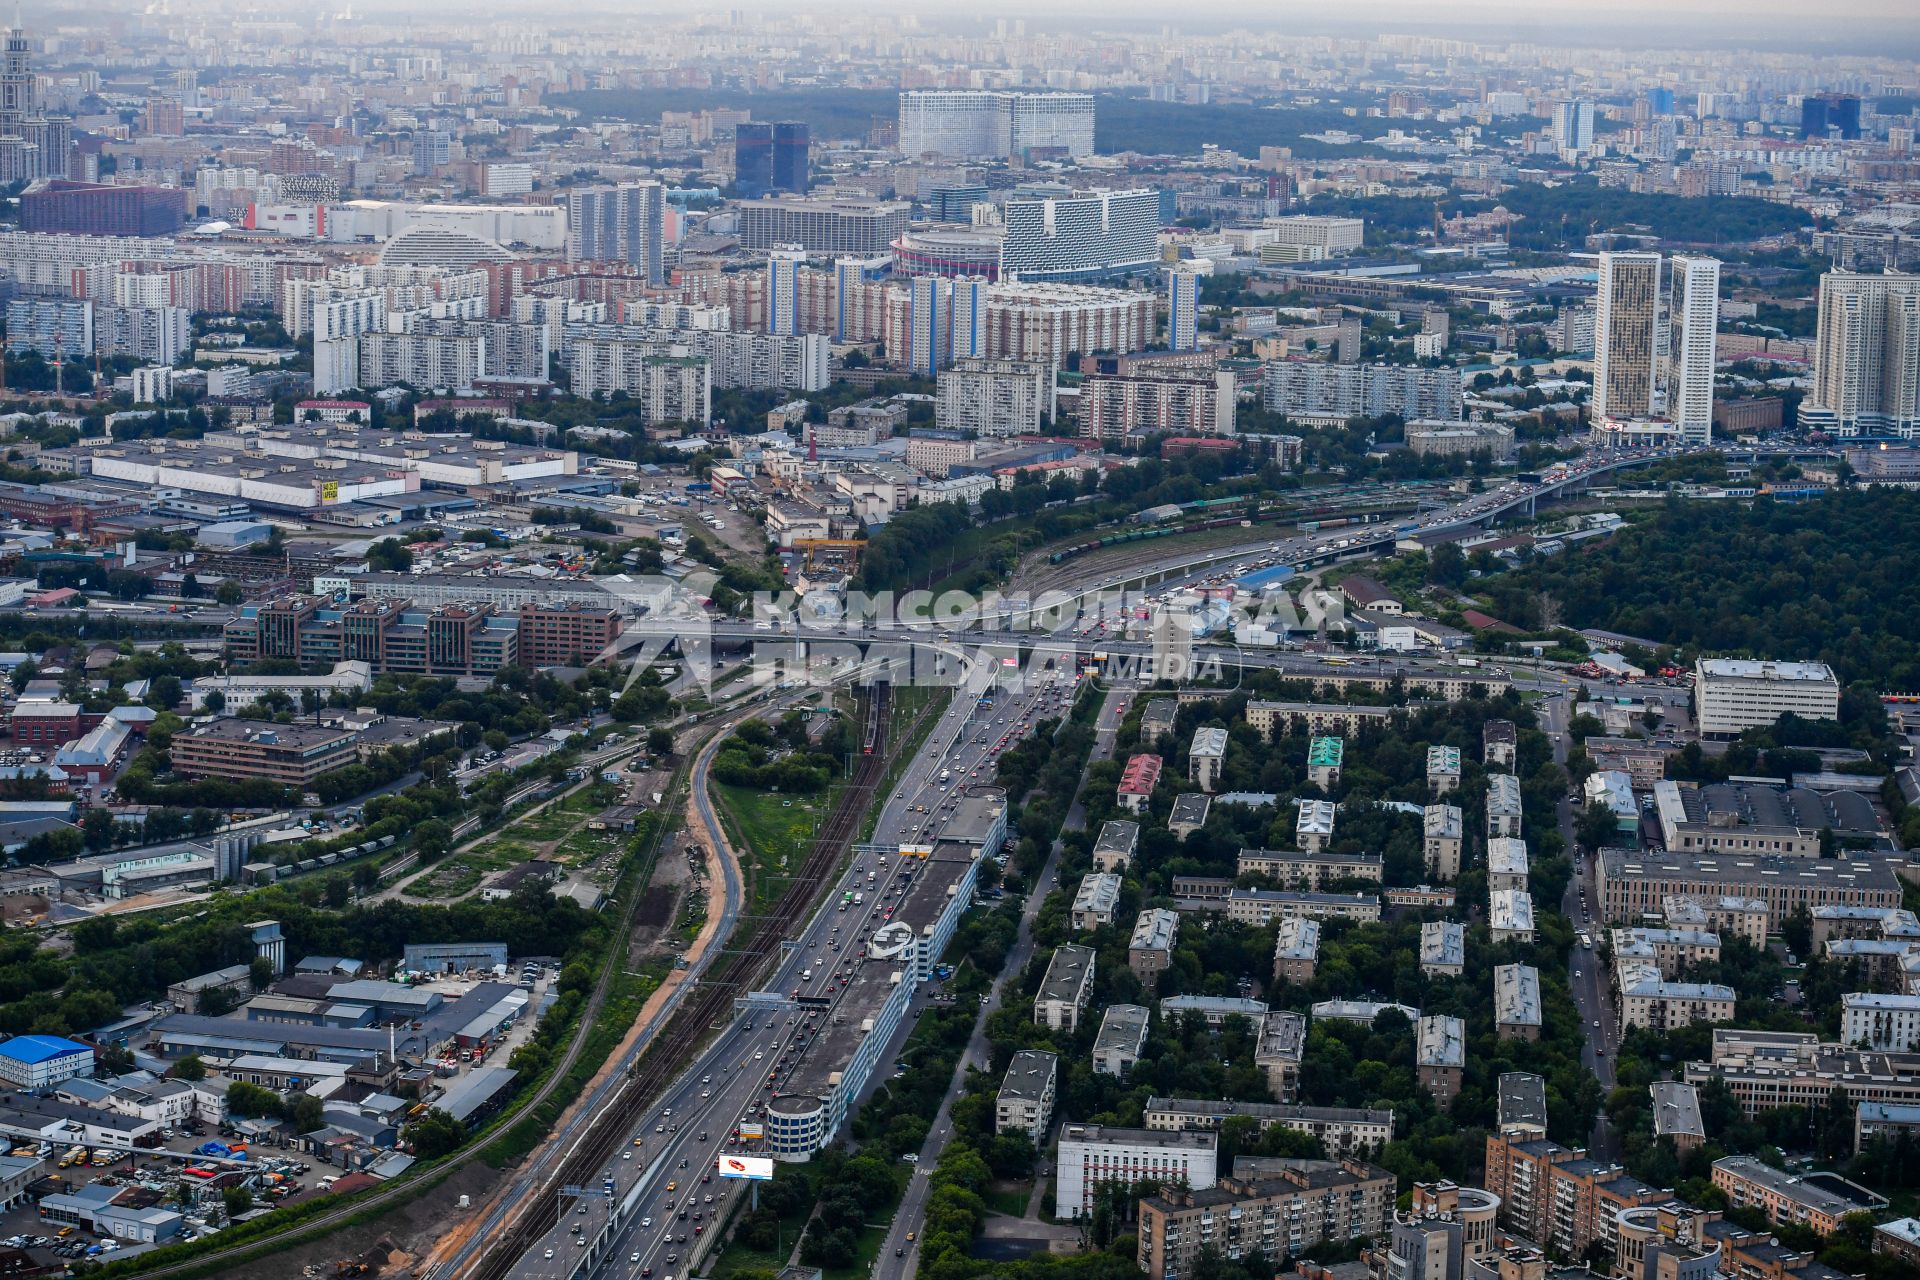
[742,1068]
[900,1256]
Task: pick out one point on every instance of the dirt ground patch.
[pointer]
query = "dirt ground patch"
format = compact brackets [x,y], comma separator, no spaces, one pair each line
[655,907]
[22,908]
[414,1228]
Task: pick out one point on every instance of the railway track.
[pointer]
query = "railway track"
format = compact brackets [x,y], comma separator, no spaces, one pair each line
[711,1000]
[405,1190]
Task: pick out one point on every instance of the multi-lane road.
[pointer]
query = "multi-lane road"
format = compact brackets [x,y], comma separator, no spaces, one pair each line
[745,1064]
[899,1255]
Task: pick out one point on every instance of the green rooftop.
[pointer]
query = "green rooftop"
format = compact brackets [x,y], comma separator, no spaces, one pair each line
[1326,752]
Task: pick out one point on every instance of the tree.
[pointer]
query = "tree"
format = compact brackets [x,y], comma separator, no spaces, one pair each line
[305,1113]
[435,1134]
[216,701]
[190,1068]
[1596,826]
[245,1099]
[164,694]
[237,1200]
[389,555]
[260,973]
[1446,565]
[660,741]
[97,829]
[432,839]
[229,592]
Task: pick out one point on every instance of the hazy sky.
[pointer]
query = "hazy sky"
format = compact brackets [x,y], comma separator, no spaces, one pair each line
[1888,28]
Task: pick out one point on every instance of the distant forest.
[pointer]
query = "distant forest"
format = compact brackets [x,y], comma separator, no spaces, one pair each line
[1563,216]
[1832,579]
[1120,124]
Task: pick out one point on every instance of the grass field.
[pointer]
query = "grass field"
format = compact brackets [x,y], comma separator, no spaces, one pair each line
[584,846]
[463,872]
[559,820]
[1009,1198]
[773,832]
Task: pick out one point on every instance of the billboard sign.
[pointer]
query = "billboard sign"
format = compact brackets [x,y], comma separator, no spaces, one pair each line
[747,1168]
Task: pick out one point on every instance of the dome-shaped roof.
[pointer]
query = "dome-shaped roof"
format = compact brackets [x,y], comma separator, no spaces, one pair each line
[426,246]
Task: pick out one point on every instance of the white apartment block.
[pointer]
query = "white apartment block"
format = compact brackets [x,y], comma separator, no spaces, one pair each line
[442,364]
[1889,1022]
[1670,951]
[1180,402]
[1319,393]
[1331,235]
[1091,1154]
[153,384]
[1511,916]
[1094,904]
[1647,1000]
[1443,827]
[1205,757]
[610,357]
[1516,1001]
[1313,829]
[1503,805]
[1506,863]
[1736,694]
[982,124]
[1866,368]
[1296,950]
[1025,1101]
[1443,948]
[1065,990]
[994,398]
[1695,312]
[1121,1040]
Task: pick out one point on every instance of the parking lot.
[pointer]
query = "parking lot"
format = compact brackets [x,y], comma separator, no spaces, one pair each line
[169,1178]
